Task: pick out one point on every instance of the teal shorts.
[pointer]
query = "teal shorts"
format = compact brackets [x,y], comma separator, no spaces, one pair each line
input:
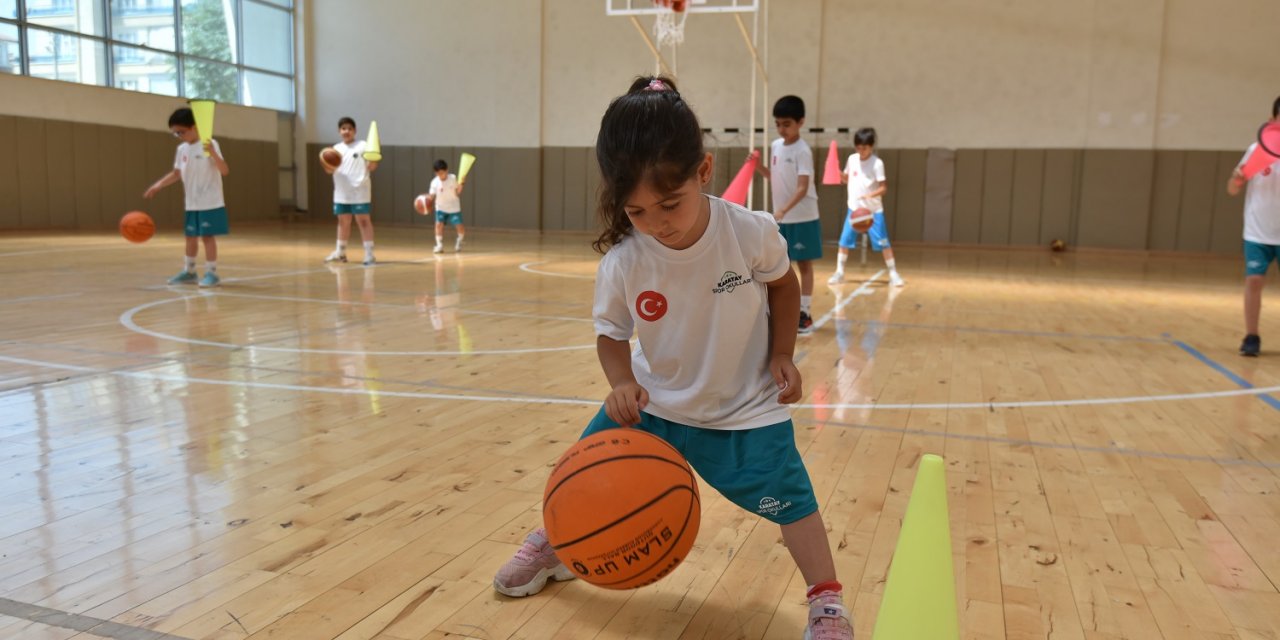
[454,219]
[1258,257]
[758,469]
[210,222]
[804,240]
[879,236]
[361,209]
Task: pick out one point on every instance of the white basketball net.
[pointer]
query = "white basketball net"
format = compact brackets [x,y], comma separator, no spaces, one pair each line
[668,25]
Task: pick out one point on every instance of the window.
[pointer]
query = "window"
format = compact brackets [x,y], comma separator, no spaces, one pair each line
[236,51]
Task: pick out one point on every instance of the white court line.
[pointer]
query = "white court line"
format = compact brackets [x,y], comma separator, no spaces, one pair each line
[863,289]
[298,387]
[104,247]
[528,267]
[388,305]
[595,403]
[38,298]
[126,319]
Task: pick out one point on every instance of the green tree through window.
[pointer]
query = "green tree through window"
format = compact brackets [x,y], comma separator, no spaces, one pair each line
[206,33]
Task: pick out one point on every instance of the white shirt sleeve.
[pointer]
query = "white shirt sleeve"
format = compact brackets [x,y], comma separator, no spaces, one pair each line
[879,170]
[177,157]
[435,186]
[611,312]
[772,261]
[804,163]
[848,164]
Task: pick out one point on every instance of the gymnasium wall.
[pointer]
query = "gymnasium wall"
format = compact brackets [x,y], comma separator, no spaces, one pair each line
[81,156]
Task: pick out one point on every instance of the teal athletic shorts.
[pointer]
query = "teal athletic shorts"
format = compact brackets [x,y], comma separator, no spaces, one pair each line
[361,209]
[1258,257]
[454,219]
[758,469]
[210,222]
[804,239]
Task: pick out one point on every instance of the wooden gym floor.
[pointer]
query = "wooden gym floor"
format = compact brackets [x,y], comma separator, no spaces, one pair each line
[312,452]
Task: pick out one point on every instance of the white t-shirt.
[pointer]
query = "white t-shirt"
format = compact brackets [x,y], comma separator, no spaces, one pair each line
[701,316]
[864,177]
[351,181]
[787,163]
[1262,203]
[201,181]
[446,193]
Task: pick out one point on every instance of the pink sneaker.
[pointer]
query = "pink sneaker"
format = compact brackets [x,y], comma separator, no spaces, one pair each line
[828,619]
[528,571]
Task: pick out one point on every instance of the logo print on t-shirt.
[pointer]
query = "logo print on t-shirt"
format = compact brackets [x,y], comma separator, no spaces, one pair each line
[730,281]
[651,306]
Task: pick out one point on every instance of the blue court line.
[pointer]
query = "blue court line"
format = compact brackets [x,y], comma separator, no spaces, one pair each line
[1226,373]
[1042,444]
[1008,332]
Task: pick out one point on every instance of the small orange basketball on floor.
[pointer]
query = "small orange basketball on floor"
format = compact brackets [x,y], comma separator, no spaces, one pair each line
[137,226]
[621,509]
[861,219]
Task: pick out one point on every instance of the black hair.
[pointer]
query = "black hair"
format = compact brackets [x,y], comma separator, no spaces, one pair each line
[347,120]
[789,107]
[865,135]
[441,165]
[183,117]
[649,134]
[1275,109]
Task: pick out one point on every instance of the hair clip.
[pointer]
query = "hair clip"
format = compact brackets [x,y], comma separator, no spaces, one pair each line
[657,84]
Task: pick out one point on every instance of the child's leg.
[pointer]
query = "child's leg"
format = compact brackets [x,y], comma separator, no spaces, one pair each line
[210,250]
[193,249]
[462,233]
[806,539]
[1253,303]
[439,235]
[344,229]
[806,284]
[366,228]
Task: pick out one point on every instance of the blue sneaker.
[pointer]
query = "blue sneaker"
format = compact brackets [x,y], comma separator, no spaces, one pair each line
[210,279]
[183,277]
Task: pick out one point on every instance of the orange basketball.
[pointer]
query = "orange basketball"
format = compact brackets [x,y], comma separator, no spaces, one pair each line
[621,508]
[861,219]
[422,204]
[331,157]
[137,226]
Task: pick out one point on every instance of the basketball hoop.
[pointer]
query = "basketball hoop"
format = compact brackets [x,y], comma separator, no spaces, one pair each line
[668,24]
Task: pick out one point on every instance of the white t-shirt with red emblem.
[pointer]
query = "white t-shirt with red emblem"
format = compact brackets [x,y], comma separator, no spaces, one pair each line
[701,317]
[1262,203]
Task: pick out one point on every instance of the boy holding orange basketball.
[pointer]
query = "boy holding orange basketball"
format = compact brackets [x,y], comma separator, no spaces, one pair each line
[206,209]
[1261,236]
[864,173]
[352,191]
[706,288]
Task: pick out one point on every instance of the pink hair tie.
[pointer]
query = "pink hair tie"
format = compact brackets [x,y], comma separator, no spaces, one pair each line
[657,85]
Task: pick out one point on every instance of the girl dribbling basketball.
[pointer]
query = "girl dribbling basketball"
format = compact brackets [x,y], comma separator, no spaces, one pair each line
[707,288]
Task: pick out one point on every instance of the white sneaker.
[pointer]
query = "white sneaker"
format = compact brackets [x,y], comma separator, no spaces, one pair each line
[836,278]
[439,249]
[369,260]
[336,256]
[896,280]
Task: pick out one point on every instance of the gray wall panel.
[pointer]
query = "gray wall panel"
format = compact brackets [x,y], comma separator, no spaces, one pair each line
[1195,213]
[997,196]
[33,173]
[966,213]
[1113,213]
[1166,199]
[10,193]
[1028,194]
[908,213]
[60,158]
[1058,203]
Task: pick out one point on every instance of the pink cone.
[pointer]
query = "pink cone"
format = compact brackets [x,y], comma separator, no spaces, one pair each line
[832,173]
[1269,137]
[737,191]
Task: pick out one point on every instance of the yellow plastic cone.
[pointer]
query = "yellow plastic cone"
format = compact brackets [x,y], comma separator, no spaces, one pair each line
[920,595]
[203,111]
[464,166]
[373,146]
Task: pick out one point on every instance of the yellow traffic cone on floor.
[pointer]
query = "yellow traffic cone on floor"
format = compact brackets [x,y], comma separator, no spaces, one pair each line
[920,595]
[373,146]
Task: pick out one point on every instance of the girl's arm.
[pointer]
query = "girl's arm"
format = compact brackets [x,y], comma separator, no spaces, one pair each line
[784,318]
[168,179]
[627,398]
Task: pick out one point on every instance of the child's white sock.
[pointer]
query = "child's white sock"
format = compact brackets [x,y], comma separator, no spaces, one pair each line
[892,264]
[840,258]
[189,263]
[368,246]
[458,242]
[211,265]
[804,303]
[439,241]
[342,246]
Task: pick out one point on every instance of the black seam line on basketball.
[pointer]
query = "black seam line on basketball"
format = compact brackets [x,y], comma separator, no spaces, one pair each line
[637,456]
[691,490]
[684,528]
